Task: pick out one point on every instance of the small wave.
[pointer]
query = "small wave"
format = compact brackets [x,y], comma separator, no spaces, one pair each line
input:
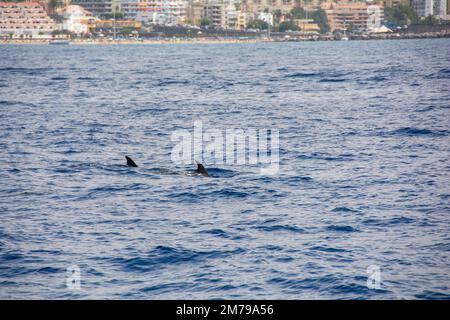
[308,283]
[296,180]
[354,289]
[217,232]
[341,228]
[328,249]
[152,110]
[333,80]
[58,78]
[168,82]
[50,270]
[278,228]
[221,173]
[388,222]
[167,287]
[411,131]
[426,109]
[377,78]
[26,71]
[304,74]
[229,193]
[441,74]
[433,295]
[326,157]
[189,197]
[343,209]
[99,191]
[163,256]
[7,103]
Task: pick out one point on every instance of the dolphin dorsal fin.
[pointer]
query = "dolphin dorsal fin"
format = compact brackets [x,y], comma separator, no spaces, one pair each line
[130,162]
[202,170]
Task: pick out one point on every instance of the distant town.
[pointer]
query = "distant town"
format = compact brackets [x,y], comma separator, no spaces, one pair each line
[116,21]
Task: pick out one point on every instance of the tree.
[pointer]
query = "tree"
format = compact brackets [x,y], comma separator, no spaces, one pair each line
[258,24]
[126,31]
[277,16]
[53,4]
[298,13]
[205,22]
[429,20]
[320,17]
[400,15]
[288,25]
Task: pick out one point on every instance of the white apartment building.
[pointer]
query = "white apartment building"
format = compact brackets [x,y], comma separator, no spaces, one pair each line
[438,8]
[170,12]
[76,19]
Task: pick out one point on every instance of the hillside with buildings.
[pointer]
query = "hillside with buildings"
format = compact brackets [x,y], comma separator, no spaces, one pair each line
[136,18]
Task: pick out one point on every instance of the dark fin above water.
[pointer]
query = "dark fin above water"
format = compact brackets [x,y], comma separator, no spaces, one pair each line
[130,162]
[202,170]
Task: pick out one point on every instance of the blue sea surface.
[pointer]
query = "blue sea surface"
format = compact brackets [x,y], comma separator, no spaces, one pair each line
[364,129]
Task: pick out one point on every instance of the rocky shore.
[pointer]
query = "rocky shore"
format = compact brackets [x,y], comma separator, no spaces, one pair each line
[274,38]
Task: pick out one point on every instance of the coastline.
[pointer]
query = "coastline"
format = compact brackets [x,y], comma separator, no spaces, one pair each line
[396,36]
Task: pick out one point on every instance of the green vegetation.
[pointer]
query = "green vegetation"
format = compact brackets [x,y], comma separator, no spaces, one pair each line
[298,13]
[205,22]
[429,20]
[62,32]
[118,15]
[277,16]
[126,31]
[288,26]
[318,16]
[258,24]
[401,15]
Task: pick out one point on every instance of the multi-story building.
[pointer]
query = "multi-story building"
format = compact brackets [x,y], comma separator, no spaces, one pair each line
[100,8]
[76,19]
[393,3]
[215,13]
[154,11]
[220,14]
[194,13]
[355,15]
[423,8]
[256,6]
[438,8]
[25,19]
[241,19]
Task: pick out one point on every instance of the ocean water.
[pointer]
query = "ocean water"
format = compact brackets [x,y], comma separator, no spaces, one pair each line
[363,181]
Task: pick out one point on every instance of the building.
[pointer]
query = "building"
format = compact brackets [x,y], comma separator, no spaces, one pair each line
[307,25]
[220,14]
[25,20]
[241,20]
[353,15]
[438,8]
[76,19]
[216,14]
[100,8]
[423,8]
[194,13]
[257,6]
[393,3]
[266,17]
[170,12]
[119,24]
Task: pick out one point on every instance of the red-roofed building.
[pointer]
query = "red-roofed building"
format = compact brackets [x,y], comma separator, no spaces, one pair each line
[25,19]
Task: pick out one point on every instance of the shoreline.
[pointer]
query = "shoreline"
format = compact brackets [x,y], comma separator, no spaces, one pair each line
[396,36]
